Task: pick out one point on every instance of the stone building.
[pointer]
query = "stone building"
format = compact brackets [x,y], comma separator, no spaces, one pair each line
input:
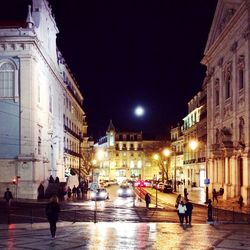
[226,57]
[177,143]
[126,155]
[195,130]
[43,124]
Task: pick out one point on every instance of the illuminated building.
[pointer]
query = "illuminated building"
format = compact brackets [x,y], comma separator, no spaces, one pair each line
[126,155]
[194,128]
[42,120]
[226,57]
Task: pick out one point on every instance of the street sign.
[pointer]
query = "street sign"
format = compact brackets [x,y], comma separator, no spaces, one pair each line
[93,186]
[206,181]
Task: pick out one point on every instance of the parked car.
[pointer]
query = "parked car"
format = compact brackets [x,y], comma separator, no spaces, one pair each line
[99,194]
[167,189]
[148,183]
[140,183]
[125,191]
[160,186]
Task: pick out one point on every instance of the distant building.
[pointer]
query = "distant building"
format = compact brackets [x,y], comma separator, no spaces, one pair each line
[227,57]
[194,130]
[177,153]
[43,125]
[125,155]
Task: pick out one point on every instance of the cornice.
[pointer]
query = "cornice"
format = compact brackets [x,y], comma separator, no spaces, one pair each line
[229,28]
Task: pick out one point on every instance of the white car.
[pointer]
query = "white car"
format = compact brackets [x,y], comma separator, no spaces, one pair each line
[160,186]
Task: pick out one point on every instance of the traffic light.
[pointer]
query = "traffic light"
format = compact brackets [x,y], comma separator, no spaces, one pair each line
[14,181]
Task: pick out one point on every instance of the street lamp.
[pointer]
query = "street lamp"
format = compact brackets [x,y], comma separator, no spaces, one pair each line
[156,157]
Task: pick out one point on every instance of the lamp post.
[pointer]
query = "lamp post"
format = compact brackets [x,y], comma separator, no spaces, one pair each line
[156,158]
[194,144]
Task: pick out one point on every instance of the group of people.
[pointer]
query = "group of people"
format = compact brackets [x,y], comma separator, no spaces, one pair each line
[184,209]
[77,193]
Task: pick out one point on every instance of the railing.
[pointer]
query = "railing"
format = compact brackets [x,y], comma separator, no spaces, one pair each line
[230,216]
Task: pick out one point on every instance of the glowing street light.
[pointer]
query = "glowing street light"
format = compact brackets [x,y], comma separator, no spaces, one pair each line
[193,144]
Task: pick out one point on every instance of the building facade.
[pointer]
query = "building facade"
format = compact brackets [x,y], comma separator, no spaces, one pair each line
[176,164]
[126,156]
[227,57]
[42,120]
[195,130]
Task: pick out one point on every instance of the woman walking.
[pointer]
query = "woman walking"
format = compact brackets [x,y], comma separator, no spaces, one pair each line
[52,213]
[181,211]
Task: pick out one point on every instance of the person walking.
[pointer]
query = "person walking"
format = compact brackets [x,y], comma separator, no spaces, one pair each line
[8,196]
[215,195]
[181,212]
[74,193]
[69,192]
[147,200]
[52,211]
[188,214]
[240,202]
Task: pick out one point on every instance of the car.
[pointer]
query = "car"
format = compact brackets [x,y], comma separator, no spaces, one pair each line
[160,186]
[99,194]
[148,183]
[167,189]
[125,191]
[140,183]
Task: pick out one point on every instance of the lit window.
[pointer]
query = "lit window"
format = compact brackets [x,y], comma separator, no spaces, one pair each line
[7,80]
[139,164]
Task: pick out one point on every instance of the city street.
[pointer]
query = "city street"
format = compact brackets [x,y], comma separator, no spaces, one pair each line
[114,209]
[125,236]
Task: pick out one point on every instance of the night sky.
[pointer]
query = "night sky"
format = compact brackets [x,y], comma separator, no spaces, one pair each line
[125,53]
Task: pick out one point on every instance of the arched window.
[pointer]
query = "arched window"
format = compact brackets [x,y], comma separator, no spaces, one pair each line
[7,80]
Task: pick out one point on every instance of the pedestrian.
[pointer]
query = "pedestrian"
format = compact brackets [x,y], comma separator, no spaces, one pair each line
[78,193]
[69,192]
[51,179]
[8,196]
[181,212]
[74,192]
[57,180]
[215,195]
[185,194]
[40,191]
[52,212]
[240,202]
[147,200]
[209,210]
[188,214]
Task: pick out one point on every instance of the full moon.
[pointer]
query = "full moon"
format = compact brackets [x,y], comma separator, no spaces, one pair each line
[139,111]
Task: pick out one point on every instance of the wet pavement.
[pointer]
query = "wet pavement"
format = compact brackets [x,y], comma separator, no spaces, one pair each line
[98,236]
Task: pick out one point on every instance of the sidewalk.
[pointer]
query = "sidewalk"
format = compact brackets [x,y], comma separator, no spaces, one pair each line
[121,236]
[197,195]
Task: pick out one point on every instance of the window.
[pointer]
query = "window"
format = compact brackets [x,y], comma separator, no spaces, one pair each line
[241,79]
[7,80]
[228,87]
[39,141]
[217,97]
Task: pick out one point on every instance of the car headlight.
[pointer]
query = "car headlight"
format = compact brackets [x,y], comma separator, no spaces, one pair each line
[102,194]
[119,191]
[93,195]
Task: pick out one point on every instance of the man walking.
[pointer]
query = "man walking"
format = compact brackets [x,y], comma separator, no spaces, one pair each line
[188,213]
[8,196]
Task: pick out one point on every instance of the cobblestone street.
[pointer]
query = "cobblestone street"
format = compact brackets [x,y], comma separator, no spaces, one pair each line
[125,236]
